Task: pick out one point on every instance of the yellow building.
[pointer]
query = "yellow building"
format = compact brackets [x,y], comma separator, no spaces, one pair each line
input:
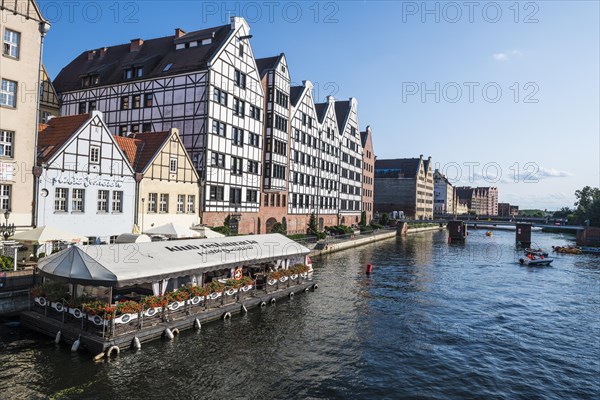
[22,28]
[167,183]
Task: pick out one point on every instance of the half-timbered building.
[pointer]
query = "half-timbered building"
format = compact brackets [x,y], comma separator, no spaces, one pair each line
[205,84]
[167,182]
[87,184]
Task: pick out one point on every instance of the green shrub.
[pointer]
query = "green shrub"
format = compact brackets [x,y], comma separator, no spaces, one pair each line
[222,229]
[6,263]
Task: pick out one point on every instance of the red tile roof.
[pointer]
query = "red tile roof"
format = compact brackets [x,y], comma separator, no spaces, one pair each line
[141,148]
[56,132]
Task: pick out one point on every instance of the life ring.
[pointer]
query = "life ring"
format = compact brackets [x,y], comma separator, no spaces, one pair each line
[125,318]
[151,312]
[97,320]
[174,306]
[272,281]
[42,301]
[246,288]
[283,279]
[215,295]
[110,350]
[294,277]
[227,315]
[195,300]
[230,292]
[59,307]
[77,313]
[237,275]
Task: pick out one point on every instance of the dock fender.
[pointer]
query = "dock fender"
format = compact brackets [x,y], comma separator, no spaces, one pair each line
[273,300]
[168,334]
[244,309]
[291,295]
[135,343]
[263,304]
[76,344]
[111,350]
[175,331]
[306,290]
[315,286]
[227,315]
[99,357]
[57,338]
[197,324]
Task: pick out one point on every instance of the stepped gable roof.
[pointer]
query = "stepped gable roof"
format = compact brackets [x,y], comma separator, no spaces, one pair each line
[321,109]
[342,108]
[295,93]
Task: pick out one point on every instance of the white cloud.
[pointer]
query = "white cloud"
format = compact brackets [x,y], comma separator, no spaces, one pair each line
[552,173]
[507,55]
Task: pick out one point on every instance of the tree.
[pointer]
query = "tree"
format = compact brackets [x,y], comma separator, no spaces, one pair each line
[313,229]
[385,219]
[278,228]
[587,205]
[562,213]
[363,219]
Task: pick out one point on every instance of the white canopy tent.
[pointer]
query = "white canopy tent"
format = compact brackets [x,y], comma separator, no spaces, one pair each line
[206,232]
[44,234]
[173,231]
[128,264]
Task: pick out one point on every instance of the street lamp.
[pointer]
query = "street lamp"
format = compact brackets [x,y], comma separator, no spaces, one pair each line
[7,229]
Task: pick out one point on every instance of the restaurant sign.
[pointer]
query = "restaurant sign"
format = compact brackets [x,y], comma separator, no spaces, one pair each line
[87,181]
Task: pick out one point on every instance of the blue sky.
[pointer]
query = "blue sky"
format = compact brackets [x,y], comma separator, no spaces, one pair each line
[498,93]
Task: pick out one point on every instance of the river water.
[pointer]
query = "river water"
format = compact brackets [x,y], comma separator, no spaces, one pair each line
[432,321]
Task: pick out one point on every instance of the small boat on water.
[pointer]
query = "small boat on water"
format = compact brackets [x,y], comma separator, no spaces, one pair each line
[536,252]
[590,250]
[567,249]
[488,233]
[535,262]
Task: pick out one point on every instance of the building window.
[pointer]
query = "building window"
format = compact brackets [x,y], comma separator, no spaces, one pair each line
[8,93]
[135,128]
[5,191]
[173,165]
[147,127]
[253,167]
[163,204]
[6,143]
[220,97]
[236,166]
[12,40]
[92,106]
[45,116]
[235,195]
[94,154]
[136,103]
[152,197]
[180,203]
[139,72]
[61,196]
[123,130]
[237,136]
[240,78]
[252,196]
[102,200]
[148,100]
[128,73]
[125,103]
[255,113]
[254,139]
[219,128]
[78,200]
[117,201]
[241,50]
[217,159]
[82,108]
[217,193]
[191,204]
[239,107]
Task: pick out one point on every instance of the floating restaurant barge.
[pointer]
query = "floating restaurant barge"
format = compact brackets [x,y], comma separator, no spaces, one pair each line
[112,297]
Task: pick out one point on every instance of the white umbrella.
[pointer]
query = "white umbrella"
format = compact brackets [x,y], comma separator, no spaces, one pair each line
[44,234]
[173,231]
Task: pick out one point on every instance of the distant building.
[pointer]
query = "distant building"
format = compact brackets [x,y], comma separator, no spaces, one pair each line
[461,207]
[479,200]
[514,211]
[368,173]
[404,184]
[444,198]
[49,102]
[503,209]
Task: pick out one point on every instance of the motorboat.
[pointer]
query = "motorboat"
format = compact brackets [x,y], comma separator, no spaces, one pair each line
[536,252]
[567,249]
[535,262]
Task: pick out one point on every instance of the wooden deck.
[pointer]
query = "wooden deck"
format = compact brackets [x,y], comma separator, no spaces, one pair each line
[94,343]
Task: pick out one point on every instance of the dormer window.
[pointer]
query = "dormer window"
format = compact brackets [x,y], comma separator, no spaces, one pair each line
[90,80]
[206,41]
[167,67]
[128,73]
[139,72]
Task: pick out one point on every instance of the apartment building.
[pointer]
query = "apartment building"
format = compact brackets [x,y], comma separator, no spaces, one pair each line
[22,28]
[480,200]
[205,84]
[368,176]
[444,197]
[406,185]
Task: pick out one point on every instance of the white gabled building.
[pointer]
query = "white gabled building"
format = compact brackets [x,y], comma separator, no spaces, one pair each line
[86,184]
[203,83]
[350,162]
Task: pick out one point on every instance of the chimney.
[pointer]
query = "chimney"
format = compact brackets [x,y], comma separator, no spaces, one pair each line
[135,45]
[103,51]
[179,32]
[91,54]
